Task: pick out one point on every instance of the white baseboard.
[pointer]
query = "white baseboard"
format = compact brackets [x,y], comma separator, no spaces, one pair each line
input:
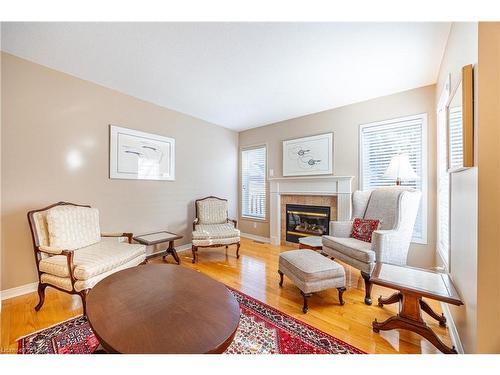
[452,328]
[32,287]
[19,290]
[255,237]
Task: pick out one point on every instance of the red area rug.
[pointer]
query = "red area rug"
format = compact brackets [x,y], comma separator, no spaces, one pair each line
[262,330]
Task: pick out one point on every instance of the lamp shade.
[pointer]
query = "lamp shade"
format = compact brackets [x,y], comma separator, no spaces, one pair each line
[400,169]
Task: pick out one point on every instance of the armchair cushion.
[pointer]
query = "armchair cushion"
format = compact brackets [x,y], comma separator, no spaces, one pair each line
[212,211]
[73,227]
[340,228]
[362,229]
[93,260]
[215,231]
[65,282]
[351,247]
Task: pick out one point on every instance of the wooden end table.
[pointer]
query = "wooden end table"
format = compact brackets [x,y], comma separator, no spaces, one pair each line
[162,309]
[157,238]
[413,284]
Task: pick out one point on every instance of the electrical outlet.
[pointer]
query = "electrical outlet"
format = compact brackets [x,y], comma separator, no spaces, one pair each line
[255,225]
[271,172]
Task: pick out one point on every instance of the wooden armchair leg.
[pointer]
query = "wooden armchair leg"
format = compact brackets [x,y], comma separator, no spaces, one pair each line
[341,294]
[368,288]
[281,278]
[41,296]
[238,250]
[83,295]
[194,249]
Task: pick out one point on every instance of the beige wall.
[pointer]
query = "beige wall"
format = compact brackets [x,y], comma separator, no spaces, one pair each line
[461,49]
[488,130]
[48,116]
[344,122]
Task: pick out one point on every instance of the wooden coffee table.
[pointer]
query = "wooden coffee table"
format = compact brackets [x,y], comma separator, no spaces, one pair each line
[413,284]
[162,308]
[151,239]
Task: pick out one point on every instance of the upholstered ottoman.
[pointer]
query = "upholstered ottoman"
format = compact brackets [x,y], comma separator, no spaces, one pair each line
[311,272]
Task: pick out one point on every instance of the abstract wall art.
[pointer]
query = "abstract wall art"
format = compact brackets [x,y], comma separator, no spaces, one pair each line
[308,156]
[138,155]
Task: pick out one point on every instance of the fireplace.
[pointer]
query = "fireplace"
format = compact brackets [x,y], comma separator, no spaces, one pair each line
[304,220]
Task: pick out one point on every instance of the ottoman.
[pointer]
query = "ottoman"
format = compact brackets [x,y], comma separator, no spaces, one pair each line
[311,272]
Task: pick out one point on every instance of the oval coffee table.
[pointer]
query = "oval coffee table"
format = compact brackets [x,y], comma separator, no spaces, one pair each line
[162,308]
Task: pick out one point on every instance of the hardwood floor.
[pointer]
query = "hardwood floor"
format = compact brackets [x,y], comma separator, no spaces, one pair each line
[255,274]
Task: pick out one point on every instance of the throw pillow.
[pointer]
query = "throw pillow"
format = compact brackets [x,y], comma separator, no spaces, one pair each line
[362,229]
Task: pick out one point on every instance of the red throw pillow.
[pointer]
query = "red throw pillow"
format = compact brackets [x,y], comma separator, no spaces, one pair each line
[362,229]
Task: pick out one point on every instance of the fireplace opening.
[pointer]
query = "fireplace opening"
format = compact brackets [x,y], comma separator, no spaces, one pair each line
[303,221]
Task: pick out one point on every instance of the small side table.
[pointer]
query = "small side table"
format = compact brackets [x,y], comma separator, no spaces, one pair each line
[157,238]
[312,242]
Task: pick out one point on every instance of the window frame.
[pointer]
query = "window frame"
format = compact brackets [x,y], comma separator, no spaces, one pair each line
[247,148]
[393,122]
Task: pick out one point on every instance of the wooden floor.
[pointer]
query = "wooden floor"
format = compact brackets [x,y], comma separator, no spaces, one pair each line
[255,274]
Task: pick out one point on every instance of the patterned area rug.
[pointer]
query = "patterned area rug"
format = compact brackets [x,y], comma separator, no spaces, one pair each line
[262,330]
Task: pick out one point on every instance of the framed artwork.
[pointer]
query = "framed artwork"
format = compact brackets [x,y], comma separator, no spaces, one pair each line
[138,155]
[461,123]
[308,156]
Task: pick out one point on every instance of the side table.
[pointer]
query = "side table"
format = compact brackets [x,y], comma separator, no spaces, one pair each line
[157,238]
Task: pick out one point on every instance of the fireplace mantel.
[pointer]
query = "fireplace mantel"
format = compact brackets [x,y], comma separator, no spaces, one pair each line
[339,186]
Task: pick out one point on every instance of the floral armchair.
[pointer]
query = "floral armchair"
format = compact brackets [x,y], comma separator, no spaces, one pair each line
[72,254]
[212,227]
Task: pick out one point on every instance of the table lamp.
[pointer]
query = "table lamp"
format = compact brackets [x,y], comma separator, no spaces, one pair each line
[400,169]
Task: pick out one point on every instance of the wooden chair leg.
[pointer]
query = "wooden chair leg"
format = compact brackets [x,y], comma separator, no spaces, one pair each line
[341,294]
[306,306]
[41,296]
[368,288]
[83,295]
[194,249]
[281,278]
[238,250]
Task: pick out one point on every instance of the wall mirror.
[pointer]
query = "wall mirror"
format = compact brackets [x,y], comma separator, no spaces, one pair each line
[461,124]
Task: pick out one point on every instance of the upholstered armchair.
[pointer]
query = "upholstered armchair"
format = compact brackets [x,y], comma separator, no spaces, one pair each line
[71,253]
[396,208]
[212,226]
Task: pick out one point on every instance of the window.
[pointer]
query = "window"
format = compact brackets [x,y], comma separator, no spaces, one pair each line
[253,183]
[379,142]
[443,178]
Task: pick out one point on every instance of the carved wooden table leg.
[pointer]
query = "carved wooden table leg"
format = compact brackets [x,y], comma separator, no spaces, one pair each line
[440,318]
[171,250]
[410,318]
[393,298]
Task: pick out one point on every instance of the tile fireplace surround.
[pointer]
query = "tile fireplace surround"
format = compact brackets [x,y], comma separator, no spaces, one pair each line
[338,186]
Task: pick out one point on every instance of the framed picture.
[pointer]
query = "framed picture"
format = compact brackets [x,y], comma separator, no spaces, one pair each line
[308,156]
[461,123]
[138,155]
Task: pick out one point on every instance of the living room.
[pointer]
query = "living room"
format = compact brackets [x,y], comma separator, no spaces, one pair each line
[250,187]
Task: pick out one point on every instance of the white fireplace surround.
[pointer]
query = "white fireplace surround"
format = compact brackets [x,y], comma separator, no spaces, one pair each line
[339,186]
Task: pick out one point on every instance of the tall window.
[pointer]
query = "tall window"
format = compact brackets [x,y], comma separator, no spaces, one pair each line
[253,182]
[443,178]
[379,142]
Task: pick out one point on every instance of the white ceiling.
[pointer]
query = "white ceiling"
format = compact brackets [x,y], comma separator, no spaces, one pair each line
[239,75]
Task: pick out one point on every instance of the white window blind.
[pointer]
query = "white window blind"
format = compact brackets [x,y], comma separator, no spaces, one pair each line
[379,142]
[253,182]
[456,137]
[443,180]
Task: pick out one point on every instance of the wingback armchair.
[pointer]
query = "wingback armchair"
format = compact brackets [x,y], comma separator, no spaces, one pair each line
[396,208]
[71,253]
[212,226]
